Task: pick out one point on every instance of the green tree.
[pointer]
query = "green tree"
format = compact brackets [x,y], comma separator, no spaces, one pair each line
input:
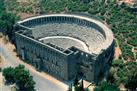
[8,73]
[7,20]
[117,63]
[131,82]
[24,81]
[104,86]
[123,73]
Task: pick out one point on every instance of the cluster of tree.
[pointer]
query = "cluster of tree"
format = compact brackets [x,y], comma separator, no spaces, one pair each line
[105,86]
[120,74]
[123,73]
[29,6]
[7,20]
[21,77]
[57,6]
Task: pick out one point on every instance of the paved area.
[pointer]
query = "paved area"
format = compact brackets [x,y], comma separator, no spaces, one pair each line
[44,82]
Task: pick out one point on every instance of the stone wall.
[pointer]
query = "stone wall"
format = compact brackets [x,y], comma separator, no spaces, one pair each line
[60,63]
[43,57]
[103,62]
[50,60]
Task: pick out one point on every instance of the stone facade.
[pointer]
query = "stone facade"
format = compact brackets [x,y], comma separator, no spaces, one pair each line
[59,62]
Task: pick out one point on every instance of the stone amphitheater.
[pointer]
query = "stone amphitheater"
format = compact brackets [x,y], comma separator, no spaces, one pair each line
[65,45]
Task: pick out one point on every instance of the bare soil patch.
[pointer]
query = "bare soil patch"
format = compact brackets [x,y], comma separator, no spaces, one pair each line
[117,52]
[24,15]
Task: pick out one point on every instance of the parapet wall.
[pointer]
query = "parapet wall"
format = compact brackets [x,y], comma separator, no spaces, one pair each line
[57,61]
[61,19]
[70,18]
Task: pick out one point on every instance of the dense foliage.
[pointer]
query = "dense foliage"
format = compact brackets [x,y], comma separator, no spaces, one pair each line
[105,86]
[22,6]
[8,73]
[24,81]
[123,73]
[6,20]
[120,74]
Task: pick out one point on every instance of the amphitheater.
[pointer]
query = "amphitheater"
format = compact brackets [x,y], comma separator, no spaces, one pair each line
[65,45]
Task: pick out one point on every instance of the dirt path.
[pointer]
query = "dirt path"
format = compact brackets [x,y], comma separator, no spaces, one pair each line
[117,50]
[130,2]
